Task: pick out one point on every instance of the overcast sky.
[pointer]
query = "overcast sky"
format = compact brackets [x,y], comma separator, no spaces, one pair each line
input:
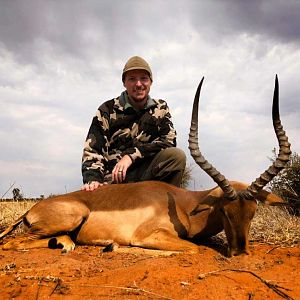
[59,60]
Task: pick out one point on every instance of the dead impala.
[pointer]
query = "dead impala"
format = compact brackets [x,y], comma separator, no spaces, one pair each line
[152,214]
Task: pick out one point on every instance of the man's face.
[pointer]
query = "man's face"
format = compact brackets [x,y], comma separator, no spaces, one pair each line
[137,84]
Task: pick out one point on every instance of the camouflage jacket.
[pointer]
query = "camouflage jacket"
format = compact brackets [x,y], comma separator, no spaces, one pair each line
[118,129]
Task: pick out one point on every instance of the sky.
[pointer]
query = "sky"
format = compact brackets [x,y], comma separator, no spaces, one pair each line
[59,60]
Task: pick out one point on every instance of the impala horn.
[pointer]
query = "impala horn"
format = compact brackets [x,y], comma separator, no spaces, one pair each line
[220,179]
[284,149]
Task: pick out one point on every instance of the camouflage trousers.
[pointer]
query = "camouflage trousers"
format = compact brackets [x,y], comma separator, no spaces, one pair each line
[167,165]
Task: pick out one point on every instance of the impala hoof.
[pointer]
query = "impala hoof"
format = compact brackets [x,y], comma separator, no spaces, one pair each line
[110,248]
[237,252]
[68,248]
[63,242]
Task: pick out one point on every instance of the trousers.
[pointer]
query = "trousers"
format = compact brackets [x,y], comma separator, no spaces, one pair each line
[167,165]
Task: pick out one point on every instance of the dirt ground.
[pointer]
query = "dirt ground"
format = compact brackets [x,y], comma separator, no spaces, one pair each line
[88,273]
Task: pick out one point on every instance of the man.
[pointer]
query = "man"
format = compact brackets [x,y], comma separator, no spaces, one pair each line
[132,137]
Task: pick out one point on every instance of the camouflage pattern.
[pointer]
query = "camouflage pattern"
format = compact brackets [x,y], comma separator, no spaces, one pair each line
[118,129]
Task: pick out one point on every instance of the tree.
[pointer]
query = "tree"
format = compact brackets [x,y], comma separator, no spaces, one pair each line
[17,194]
[287,183]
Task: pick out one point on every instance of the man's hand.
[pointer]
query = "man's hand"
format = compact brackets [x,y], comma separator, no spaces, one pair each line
[120,169]
[91,186]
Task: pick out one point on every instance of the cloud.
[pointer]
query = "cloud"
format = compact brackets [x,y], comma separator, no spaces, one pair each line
[60,60]
[276,20]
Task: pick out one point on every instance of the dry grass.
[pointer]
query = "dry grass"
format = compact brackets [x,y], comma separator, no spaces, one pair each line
[271,225]
[274,225]
[11,211]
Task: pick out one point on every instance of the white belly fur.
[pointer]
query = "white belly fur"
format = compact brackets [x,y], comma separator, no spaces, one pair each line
[103,227]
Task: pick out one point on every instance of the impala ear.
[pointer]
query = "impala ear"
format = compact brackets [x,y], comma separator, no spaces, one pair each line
[206,203]
[200,208]
[271,199]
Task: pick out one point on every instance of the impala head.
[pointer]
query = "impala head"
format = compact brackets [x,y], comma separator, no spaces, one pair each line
[237,203]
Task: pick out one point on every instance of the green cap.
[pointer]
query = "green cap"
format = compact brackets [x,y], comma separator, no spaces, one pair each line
[136,63]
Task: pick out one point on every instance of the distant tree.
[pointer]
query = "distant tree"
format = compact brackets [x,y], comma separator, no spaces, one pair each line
[53,195]
[187,177]
[17,194]
[287,183]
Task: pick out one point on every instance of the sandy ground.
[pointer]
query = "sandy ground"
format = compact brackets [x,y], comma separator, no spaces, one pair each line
[87,273]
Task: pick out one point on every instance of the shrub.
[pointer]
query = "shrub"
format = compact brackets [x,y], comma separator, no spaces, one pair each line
[287,183]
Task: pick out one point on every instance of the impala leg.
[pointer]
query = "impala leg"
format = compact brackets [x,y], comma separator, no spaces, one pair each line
[43,231]
[63,242]
[163,240]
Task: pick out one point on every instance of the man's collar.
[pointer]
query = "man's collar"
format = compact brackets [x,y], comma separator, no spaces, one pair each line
[125,104]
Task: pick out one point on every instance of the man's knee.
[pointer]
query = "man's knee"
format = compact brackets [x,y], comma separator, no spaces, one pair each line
[169,165]
[175,156]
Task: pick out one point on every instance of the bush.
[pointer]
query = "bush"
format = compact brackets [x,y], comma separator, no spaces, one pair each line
[187,177]
[287,183]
